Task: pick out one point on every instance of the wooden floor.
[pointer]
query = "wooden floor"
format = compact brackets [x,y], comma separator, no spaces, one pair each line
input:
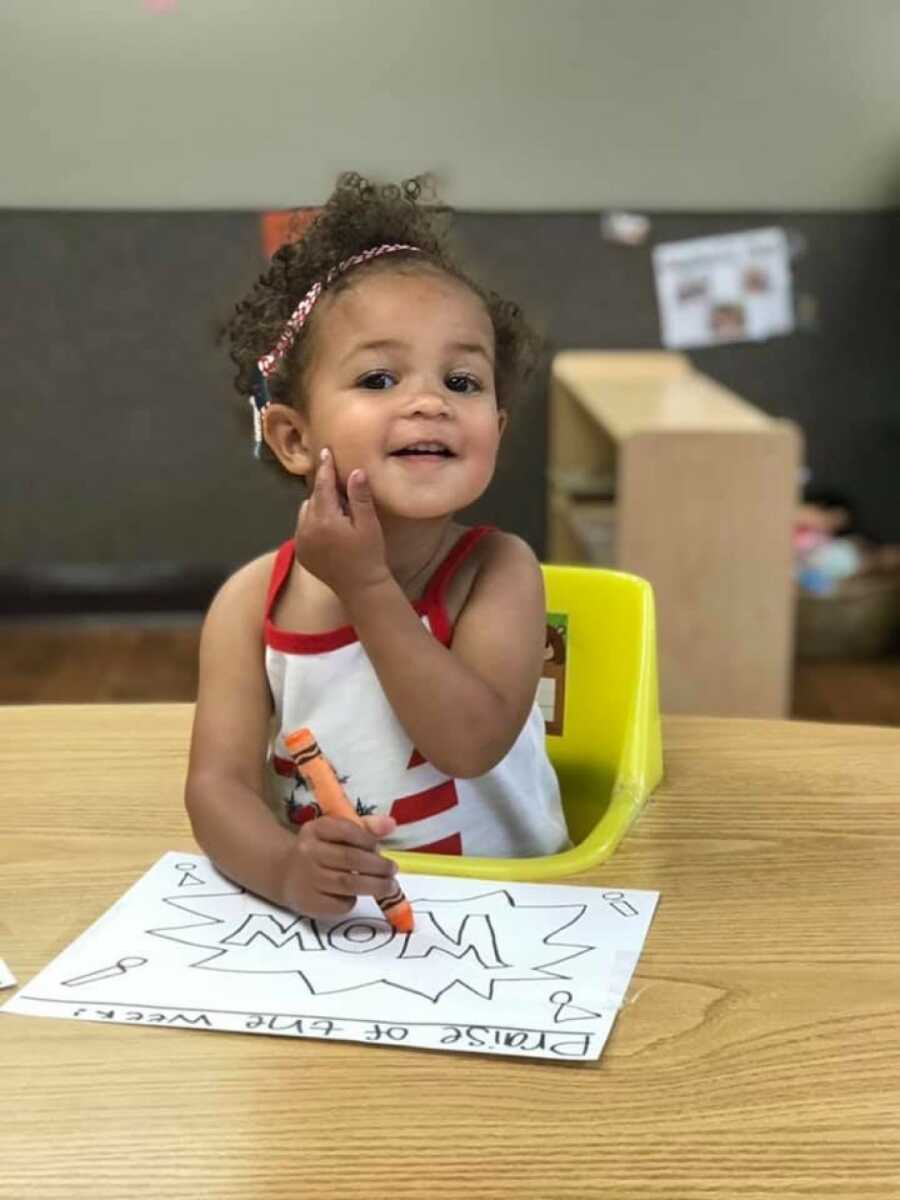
[63,663]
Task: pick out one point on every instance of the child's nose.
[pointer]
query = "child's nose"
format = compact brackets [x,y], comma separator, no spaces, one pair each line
[429,402]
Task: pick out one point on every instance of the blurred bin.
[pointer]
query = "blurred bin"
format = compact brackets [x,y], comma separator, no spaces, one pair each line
[859,619]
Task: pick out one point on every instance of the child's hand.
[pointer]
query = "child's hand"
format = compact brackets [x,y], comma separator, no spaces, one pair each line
[332,862]
[343,549]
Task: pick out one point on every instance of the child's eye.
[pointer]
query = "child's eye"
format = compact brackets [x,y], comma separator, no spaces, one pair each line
[462,383]
[377,381]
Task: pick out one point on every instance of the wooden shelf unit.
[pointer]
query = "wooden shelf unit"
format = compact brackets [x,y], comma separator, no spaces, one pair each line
[657,469]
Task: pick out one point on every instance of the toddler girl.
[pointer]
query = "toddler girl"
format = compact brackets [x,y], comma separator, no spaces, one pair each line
[409,645]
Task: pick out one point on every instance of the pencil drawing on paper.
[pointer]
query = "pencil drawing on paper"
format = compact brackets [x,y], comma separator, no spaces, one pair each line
[463,940]
[117,968]
[188,876]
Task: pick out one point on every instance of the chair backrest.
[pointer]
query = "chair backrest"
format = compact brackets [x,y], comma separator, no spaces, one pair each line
[610,734]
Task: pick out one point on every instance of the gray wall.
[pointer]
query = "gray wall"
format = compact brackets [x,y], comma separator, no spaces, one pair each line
[518,104]
[126,444]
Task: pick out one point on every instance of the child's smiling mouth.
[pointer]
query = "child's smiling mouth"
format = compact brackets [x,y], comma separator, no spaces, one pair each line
[423,452]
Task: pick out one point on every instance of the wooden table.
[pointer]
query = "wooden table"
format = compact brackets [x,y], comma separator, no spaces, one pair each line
[758,1055]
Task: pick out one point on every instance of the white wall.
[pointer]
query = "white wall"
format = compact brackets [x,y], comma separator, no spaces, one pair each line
[517,104]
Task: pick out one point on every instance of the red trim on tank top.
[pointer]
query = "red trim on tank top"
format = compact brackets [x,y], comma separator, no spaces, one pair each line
[447,845]
[284,560]
[432,605]
[434,597]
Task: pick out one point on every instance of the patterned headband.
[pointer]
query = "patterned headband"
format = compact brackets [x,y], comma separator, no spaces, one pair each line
[267,366]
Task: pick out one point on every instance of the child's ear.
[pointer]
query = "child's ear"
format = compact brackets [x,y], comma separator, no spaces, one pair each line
[502,420]
[286,434]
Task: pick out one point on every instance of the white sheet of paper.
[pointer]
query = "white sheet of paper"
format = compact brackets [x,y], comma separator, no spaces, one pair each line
[536,970]
[730,288]
[7,979]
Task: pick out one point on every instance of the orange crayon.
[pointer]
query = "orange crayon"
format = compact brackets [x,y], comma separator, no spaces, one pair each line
[317,771]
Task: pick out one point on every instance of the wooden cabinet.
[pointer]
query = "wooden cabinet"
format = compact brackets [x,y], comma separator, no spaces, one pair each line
[657,469]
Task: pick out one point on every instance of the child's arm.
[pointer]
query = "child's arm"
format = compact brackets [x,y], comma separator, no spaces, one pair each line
[309,872]
[464,707]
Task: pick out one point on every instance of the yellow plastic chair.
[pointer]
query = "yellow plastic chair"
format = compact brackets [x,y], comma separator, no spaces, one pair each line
[609,755]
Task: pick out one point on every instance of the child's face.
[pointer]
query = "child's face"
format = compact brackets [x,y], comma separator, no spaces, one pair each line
[399,361]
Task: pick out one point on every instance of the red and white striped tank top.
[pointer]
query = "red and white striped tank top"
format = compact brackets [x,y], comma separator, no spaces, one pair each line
[326,683]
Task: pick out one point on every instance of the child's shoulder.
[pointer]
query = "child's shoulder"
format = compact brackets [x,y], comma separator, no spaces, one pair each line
[497,560]
[244,592]
[497,550]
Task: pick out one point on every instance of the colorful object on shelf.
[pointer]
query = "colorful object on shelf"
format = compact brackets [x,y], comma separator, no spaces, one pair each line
[285,225]
[826,552]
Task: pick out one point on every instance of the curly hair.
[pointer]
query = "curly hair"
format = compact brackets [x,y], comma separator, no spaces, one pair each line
[358,216]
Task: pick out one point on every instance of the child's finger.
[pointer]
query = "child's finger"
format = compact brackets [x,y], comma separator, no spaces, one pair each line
[300,530]
[348,859]
[342,883]
[339,883]
[362,506]
[342,832]
[380,824]
[325,495]
[335,906]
